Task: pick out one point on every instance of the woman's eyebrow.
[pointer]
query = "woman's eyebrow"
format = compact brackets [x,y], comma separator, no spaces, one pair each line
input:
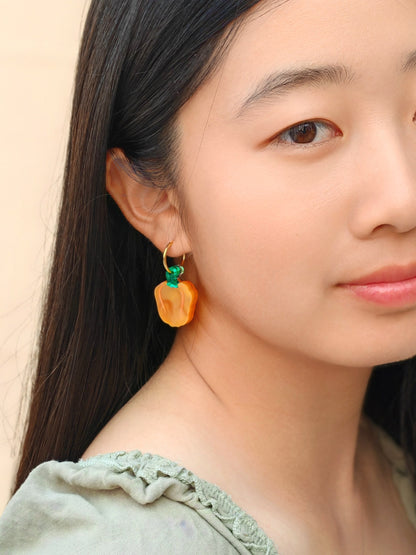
[410,62]
[280,83]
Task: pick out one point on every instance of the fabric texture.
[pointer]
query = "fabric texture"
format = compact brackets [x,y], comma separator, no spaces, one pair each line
[128,503]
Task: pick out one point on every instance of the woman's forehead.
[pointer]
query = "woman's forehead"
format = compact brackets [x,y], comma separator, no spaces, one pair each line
[350,38]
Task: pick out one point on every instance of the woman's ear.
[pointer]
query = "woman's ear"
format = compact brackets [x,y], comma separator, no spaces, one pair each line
[151,210]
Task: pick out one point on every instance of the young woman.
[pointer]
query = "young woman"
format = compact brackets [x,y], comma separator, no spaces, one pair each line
[269,149]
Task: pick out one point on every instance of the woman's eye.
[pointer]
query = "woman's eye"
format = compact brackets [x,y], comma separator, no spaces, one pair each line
[306,133]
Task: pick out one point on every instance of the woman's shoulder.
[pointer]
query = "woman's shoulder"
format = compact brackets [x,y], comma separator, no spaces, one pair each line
[142,503]
[131,502]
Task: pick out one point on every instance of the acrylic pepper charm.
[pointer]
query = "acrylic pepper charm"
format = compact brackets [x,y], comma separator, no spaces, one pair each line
[176,299]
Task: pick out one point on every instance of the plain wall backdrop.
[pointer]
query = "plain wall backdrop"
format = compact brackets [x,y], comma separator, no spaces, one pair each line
[38,48]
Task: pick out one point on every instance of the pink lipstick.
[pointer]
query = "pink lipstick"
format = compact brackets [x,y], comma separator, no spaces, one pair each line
[389,286]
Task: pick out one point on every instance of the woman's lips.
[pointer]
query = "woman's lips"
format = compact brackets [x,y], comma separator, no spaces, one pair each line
[389,286]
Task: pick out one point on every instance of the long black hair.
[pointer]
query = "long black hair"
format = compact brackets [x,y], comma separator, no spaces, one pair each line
[100,339]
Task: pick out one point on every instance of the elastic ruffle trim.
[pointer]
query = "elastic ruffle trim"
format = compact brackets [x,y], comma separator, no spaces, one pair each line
[151,468]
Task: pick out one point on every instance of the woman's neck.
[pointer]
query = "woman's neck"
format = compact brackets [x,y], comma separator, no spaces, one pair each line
[275,412]
[283,435]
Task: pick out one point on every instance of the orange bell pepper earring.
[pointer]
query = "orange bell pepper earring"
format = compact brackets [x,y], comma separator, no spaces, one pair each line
[175,299]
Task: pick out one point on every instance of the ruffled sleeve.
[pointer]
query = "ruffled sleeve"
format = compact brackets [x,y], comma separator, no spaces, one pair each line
[125,503]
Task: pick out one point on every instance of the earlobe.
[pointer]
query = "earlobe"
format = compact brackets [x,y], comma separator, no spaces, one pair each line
[148,209]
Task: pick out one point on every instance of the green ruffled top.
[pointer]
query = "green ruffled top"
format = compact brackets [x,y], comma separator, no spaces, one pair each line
[129,502]
[154,470]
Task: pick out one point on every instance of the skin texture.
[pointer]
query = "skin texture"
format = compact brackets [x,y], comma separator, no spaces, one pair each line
[269,378]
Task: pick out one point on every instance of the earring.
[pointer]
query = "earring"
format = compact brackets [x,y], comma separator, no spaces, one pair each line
[175,299]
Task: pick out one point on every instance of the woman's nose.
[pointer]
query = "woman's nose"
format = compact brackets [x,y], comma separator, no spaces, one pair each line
[385,198]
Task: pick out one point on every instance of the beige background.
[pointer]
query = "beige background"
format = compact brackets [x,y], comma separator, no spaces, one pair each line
[38,47]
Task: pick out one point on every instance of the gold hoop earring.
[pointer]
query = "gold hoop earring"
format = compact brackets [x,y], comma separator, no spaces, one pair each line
[165,255]
[175,299]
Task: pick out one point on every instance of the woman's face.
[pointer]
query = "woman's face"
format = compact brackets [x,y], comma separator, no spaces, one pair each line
[280,214]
